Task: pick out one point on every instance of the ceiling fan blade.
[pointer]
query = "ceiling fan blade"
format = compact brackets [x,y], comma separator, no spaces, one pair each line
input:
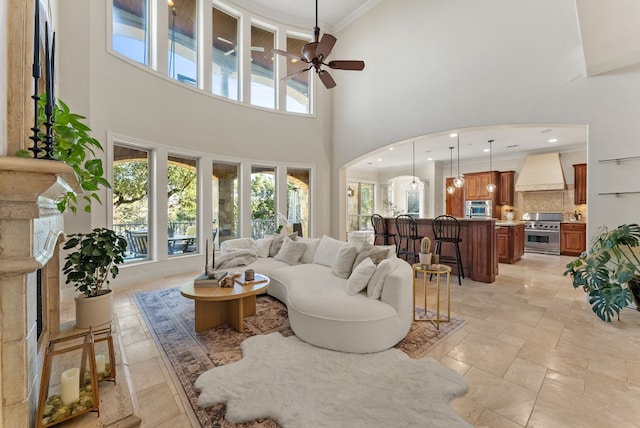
[288,54]
[326,44]
[326,79]
[296,73]
[346,65]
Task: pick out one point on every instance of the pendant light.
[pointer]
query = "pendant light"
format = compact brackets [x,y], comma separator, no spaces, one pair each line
[451,189]
[491,187]
[459,180]
[414,185]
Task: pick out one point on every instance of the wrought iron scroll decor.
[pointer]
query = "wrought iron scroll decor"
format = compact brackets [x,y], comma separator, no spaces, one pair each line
[42,148]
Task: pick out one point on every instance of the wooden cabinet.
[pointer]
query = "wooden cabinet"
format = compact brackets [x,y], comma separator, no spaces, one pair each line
[506,188]
[510,242]
[573,238]
[455,202]
[580,180]
[475,186]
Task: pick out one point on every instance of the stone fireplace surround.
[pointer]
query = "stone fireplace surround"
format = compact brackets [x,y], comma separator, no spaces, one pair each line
[31,231]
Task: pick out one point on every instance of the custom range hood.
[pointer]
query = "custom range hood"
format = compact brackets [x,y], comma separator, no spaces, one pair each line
[541,172]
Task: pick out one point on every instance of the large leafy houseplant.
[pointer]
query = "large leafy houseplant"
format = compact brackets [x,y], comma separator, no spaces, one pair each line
[73,145]
[94,259]
[606,268]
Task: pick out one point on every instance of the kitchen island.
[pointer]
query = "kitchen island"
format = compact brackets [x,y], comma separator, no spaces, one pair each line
[510,241]
[478,249]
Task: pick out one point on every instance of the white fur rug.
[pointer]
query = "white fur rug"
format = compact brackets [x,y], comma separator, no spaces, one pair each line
[300,385]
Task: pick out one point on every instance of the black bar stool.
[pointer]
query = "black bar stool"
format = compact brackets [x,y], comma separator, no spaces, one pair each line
[446,229]
[408,233]
[380,230]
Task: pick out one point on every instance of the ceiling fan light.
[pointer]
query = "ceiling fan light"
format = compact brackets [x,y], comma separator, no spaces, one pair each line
[491,187]
[458,181]
[451,190]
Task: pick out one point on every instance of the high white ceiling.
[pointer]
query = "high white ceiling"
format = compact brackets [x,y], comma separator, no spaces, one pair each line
[333,13]
[509,142]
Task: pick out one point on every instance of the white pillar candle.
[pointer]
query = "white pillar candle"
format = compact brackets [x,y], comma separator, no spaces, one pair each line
[100,361]
[70,386]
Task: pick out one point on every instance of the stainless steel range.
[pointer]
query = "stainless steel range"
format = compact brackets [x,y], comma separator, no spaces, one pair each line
[542,233]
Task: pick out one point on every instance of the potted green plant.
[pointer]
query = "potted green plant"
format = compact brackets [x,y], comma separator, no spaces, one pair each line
[73,145]
[92,260]
[605,270]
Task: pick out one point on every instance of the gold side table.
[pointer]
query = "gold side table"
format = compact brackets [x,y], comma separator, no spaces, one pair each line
[428,270]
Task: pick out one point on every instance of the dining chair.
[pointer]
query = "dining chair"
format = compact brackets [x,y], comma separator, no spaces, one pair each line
[380,231]
[408,234]
[446,229]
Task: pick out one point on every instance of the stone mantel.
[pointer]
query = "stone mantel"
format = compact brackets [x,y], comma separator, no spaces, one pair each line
[31,228]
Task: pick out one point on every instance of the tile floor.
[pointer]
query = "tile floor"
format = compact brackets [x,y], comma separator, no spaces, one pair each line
[532,351]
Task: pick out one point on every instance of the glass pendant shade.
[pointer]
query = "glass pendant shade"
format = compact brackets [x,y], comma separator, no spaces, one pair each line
[414,185]
[451,190]
[459,180]
[491,187]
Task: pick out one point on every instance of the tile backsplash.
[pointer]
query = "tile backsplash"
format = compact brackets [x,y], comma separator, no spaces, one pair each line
[550,201]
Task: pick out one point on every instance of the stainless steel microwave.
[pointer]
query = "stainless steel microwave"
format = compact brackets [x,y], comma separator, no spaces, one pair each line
[478,209]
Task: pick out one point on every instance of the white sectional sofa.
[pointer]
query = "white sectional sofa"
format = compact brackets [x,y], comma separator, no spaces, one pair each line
[320,280]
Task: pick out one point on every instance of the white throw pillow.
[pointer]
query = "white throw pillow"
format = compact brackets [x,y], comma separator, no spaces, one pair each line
[374,288]
[327,250]
[263,245]
[291,251]
[360,276]
[343,263]
[310,251]
[237,244]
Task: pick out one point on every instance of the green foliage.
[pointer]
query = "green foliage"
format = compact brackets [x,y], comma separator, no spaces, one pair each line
[262,197]
[73,145]
[95,258]
[604,270]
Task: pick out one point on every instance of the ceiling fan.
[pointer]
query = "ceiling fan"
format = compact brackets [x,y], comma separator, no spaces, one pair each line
[316,52]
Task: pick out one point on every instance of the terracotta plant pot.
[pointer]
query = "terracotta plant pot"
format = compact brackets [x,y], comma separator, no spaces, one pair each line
[94,311]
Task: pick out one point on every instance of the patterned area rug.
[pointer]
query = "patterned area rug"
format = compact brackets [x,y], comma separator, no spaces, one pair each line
[170,318]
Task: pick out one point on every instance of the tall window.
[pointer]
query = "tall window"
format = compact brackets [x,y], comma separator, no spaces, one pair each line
[359,205]
[182,206]
[130,35]
[298,85]
[298,199]
[225,202]
[263,201]
[263,92]
[224,78]
[131,199]
[183,54]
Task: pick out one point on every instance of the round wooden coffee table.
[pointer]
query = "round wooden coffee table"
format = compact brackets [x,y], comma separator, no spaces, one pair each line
[215,306]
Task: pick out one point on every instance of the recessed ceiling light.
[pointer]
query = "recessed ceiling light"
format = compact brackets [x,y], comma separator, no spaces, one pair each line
[485,150]
[553,140]
[390,148]
[429,159]
[379,159]
[453,135]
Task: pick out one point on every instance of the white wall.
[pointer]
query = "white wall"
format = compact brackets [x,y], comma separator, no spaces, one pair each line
[123,99]
[434,65]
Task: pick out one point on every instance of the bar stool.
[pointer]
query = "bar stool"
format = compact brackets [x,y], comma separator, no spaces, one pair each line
[380,230]
[408,233]
[446,229]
